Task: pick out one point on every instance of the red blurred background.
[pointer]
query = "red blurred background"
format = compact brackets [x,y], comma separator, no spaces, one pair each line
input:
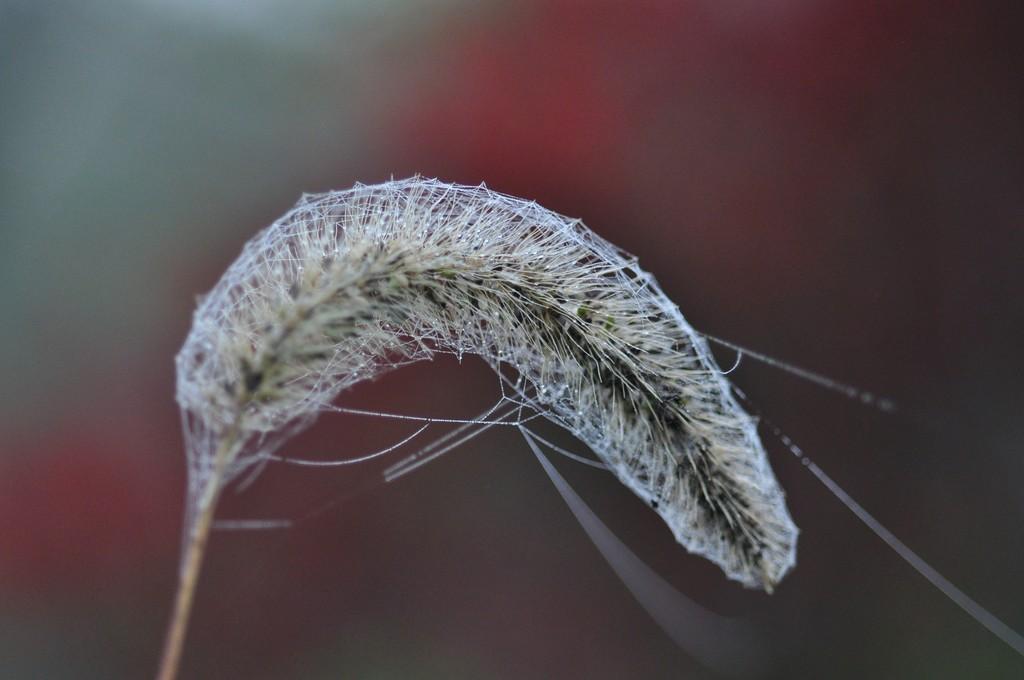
[835,183]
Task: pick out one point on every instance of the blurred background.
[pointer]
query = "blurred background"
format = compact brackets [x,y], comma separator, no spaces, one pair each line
[835,183]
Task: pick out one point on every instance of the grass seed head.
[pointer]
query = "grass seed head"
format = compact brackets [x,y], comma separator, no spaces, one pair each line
[350,284]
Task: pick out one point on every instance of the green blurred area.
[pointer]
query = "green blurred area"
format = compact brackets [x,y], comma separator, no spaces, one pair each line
[133,133]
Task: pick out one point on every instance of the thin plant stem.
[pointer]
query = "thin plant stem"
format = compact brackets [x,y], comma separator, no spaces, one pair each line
[192,560]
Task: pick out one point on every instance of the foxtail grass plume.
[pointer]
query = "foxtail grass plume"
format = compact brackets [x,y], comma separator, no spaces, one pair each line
[350,284]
